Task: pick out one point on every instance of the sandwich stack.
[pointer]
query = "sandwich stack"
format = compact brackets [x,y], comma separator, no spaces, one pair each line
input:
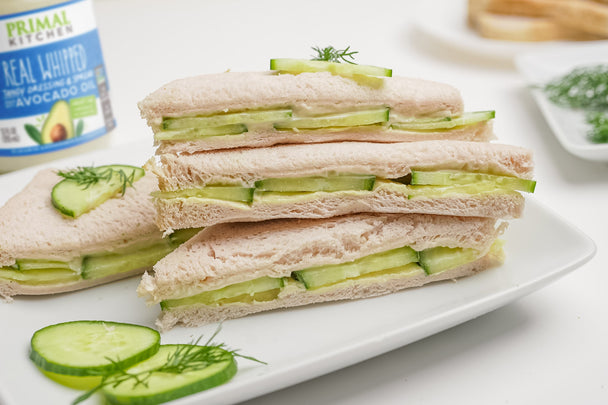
[321,181]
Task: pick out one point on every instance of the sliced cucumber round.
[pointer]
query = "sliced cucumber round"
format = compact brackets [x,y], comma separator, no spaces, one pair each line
[198,133]
[217,120]
[74,199]
[317,183]
[286,65]
[89,348]
[347,119]
[455,177]
[424,124]
[164,386]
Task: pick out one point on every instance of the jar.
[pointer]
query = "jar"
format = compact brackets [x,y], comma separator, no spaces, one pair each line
[54,98]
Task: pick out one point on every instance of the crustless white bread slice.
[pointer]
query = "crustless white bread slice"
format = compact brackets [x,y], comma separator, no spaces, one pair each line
[386,161]
[33,229]
[306,94]
[226,254]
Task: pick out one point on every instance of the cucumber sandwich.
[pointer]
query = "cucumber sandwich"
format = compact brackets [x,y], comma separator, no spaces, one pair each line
[231,270]
[71,230]
[324,180]
[306,102]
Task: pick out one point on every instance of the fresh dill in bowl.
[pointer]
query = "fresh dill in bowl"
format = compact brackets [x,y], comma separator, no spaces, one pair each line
[585,88]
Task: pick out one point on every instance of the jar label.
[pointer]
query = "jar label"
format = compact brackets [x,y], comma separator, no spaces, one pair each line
[53,86]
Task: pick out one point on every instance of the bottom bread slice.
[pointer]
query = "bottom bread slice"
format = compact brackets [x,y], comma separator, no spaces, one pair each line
[295,295]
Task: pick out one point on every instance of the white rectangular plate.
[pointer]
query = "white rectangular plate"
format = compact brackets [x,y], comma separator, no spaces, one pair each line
[568,125]
[300,343]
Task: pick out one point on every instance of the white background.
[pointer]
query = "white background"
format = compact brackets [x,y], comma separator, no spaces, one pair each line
[550,347]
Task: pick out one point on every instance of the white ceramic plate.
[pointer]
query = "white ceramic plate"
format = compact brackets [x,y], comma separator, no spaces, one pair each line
[300,343]
[446,21]
[568,125]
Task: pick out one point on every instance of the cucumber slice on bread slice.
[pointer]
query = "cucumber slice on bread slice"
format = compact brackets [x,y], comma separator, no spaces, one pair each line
[73,198]
[346,119]
[455,177]
[442,123]
[288,65]
[217,120]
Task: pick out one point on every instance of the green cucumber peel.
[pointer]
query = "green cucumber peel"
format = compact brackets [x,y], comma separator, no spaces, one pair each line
[443,123]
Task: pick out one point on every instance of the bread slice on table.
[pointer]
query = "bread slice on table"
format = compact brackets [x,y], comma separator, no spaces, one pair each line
[33,230]
[391,164]
[220,257]
[306,95]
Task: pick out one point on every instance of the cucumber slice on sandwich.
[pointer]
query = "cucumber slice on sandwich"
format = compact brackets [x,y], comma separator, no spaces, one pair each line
[197,133]
[226,193]
[317,183]
[217,120]
[348,119]
[287,65]
[256,290]
[330,274]
[214,367]
[455,177]
[89,348]
[86,188]
[427,124]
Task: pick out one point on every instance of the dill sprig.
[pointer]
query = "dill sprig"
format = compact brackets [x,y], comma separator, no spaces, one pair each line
[584,87]
[331,54]
[86,176]
[186,358]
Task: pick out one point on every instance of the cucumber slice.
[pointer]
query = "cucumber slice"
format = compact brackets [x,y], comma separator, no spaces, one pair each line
[320,276]
[438,259]
[246,291]
[348,119]
[218,120]
[287,65]
[317,183]
[444,122]
[479,188]
[454,177]
[39,277]
[166,386]
[198,133]
[73,199]
[40,264]
[226,193]
[72,381]
[182,235]
[89,348]
[105,264]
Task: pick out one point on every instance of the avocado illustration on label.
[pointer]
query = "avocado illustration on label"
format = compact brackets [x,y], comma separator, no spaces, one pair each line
[58,125]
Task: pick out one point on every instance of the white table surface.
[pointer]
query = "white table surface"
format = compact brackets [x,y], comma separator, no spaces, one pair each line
[550,347]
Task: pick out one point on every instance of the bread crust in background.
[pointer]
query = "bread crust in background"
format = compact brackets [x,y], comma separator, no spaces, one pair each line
[539,20]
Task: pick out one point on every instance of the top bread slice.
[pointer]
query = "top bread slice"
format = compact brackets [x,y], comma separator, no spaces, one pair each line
[33,229]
